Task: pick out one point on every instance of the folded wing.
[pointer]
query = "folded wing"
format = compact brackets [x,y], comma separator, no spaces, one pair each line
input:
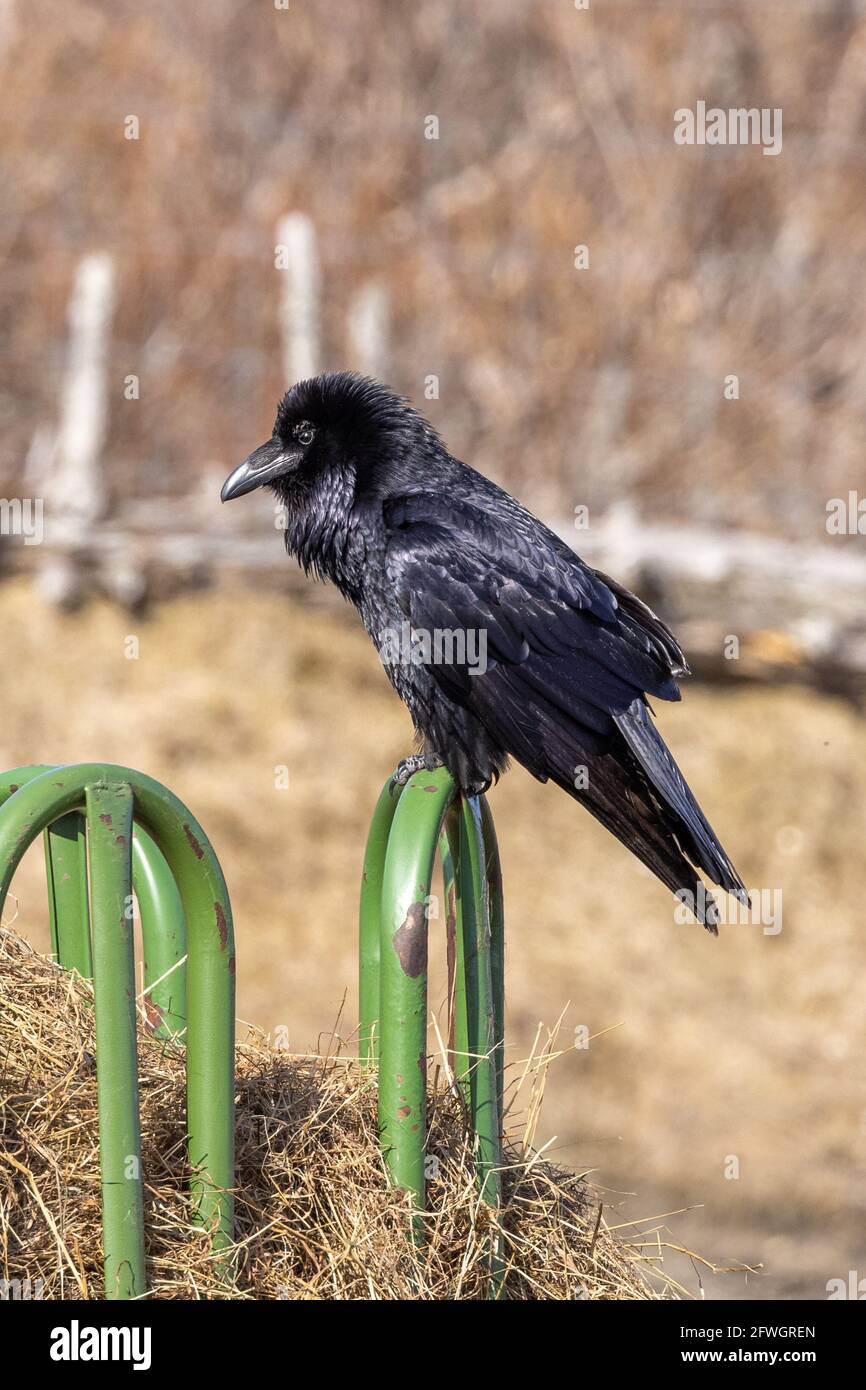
[570,657]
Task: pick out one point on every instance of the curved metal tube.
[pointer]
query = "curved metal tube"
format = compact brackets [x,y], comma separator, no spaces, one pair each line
[403,965]
[370,922]
[163,927]
[106,791]
[478,1046]
[395,893]
[493,870]
[109,829]
[163,936]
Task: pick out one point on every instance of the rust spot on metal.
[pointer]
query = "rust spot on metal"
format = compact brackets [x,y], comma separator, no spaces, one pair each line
[13,787]
[194,843]
[422,1066]
[105,818]
[410,941]
[404,1112]
[231,965]
[154,1014]
[120,839]
[221,924]
[431,789]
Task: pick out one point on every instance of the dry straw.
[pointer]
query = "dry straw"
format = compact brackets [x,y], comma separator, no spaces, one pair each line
[315,1216]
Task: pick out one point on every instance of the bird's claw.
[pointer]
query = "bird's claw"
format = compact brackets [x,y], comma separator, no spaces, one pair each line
[416,762]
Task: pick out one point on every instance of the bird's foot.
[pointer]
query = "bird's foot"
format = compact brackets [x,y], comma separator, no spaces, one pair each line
[417,762]
[478,788]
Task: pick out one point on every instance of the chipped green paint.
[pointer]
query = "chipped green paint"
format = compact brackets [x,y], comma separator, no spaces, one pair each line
[410,940]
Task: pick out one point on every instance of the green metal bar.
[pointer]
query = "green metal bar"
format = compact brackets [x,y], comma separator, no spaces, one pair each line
[482,1017]
[449,892]
[163,936]
[109,825]
[493,870]
[163,926]
[403,964]
[474,927]
[66,873]
[17,777]
[461,1051]
[370,922]
[211,961]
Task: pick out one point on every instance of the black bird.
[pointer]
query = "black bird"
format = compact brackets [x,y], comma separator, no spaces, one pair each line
[542,659]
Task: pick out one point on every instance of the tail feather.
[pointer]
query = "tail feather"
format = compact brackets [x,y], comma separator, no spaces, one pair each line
[699,839]
[633,786]
[637,821]
[632,805]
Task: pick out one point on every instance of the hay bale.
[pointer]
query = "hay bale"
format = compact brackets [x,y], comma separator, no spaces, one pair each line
[315,1216]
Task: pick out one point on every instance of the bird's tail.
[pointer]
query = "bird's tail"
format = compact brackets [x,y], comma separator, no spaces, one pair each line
[636,790]
[695,833]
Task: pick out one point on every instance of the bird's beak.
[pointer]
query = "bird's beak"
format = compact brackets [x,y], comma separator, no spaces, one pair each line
[262,465]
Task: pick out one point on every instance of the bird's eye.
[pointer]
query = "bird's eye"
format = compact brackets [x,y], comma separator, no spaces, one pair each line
[305,433]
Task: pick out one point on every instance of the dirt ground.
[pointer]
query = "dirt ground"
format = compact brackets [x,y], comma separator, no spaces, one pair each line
[722,1076]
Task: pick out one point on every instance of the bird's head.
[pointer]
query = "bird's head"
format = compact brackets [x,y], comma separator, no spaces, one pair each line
[341,426]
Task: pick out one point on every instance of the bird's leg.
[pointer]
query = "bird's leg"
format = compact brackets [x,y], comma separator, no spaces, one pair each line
[417,762]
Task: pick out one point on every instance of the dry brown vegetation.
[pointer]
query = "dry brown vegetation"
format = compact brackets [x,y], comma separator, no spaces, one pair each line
[556,129]
[749,1045]
[315,1216]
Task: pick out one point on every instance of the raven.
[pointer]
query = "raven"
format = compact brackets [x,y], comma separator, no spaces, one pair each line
[497,636]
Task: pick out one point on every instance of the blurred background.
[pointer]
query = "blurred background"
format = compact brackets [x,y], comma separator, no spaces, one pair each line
[660,348]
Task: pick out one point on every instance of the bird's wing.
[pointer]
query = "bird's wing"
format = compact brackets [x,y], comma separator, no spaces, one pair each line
[564,629]
[570,656]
